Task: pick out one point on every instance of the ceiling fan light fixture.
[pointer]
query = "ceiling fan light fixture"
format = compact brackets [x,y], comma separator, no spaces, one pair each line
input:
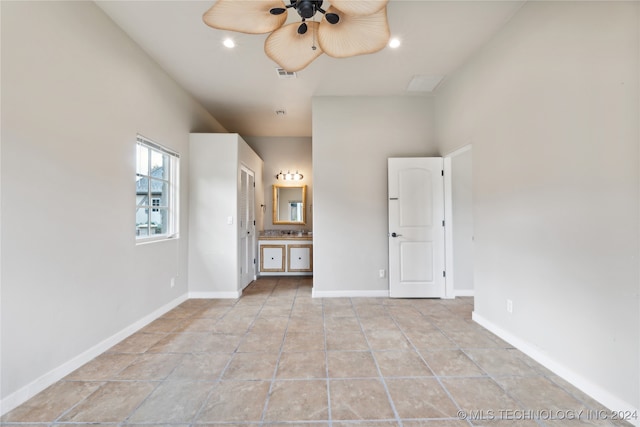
[307,8]
[229,43]
[350,27]
[394,43]
[277,10]
[359,8]
[333,18]
[354,35]
[291,50]
[250,17]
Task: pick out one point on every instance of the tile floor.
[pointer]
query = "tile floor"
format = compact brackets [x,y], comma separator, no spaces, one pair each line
[278,357]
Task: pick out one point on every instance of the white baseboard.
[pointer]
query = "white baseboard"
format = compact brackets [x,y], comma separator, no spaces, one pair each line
[596,392]
[464,292]
[215,295]
[370,294]
[27,392]
[349,294]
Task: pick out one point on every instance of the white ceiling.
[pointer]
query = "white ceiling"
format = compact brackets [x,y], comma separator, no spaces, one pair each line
[241,89]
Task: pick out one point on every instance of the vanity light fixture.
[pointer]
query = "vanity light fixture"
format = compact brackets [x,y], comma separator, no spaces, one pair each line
[289,176]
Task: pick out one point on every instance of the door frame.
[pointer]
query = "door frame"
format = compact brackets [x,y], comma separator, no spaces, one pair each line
[252,248]
[448,219]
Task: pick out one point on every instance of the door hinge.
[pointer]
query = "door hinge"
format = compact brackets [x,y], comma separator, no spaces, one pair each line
[254,261]
[442,172]
[443,222]
[254,222]
[444,274]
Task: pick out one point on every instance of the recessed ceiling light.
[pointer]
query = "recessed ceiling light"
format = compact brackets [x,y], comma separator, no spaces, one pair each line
[229,43]
[394,43]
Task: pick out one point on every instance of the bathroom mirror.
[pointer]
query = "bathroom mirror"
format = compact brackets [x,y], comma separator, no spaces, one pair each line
[289,204]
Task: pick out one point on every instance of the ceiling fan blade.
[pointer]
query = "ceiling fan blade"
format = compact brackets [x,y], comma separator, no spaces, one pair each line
[354,35]
[245,16]
[359,8]
[291,50]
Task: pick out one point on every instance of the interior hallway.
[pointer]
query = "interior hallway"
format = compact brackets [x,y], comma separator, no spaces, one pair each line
[278,356]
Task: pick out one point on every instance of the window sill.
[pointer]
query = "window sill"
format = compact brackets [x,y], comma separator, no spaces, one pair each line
[155,239]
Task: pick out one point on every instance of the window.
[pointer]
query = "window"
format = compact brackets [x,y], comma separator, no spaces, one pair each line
[156,191]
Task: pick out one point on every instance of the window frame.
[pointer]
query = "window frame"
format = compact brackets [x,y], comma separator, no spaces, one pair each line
[170,179]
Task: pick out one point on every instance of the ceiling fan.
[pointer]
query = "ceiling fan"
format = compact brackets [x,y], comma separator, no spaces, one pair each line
[347,28]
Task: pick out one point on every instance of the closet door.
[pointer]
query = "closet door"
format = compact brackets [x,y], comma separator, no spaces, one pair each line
[246,227]
[251,228]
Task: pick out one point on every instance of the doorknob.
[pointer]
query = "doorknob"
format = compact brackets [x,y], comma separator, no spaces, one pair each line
[395,235]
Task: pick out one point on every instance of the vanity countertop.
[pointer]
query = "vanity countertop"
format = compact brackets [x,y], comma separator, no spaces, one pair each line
[285,236]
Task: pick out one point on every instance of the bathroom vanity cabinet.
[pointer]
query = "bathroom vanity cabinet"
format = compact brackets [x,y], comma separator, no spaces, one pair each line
[286,255]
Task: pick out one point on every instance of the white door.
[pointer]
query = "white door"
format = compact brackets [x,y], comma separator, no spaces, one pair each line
[246,227]
[416,228]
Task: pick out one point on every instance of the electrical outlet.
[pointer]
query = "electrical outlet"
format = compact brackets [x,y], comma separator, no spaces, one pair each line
[509,306]
[382,274]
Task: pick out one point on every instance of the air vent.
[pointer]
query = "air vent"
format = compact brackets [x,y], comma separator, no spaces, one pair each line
[424,83]
[284,74]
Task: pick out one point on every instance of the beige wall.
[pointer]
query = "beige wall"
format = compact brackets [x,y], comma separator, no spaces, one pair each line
[352,139]
[75,91]
[551,107]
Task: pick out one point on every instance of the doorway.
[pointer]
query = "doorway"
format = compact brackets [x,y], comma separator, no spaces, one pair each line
[458,167]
